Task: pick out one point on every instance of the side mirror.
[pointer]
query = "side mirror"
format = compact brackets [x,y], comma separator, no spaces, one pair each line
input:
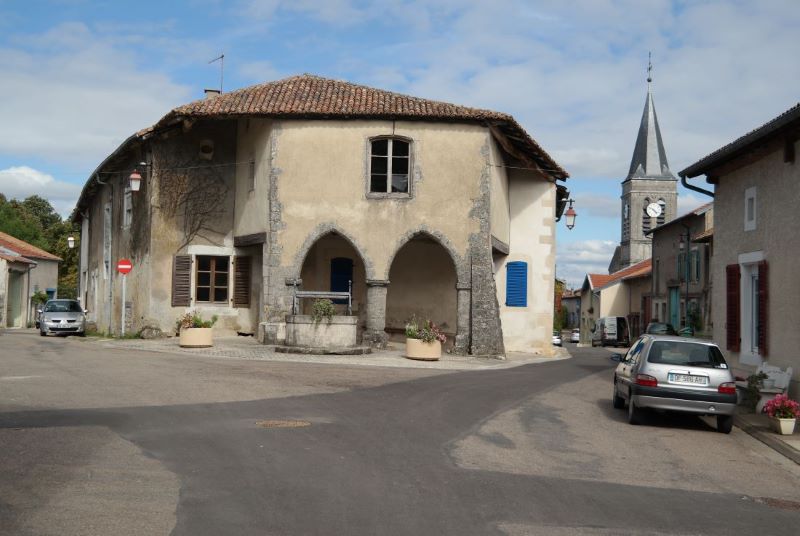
[616,357]
[86,311]
[39,311]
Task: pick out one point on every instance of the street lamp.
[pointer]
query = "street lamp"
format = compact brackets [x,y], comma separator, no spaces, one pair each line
[135,180]
[685,250]
[70,242]
[570,214]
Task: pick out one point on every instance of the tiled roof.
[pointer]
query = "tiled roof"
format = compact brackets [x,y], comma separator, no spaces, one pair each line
[14,258]
[703,236]
[635,270]
[699,211]
[25,249]
[743,143]
[315,97]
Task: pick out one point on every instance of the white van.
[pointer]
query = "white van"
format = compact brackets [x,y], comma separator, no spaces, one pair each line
[611,331]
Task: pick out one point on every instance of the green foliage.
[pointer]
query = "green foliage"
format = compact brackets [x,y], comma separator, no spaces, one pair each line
[694,319]
[560,319]
[39,297]
[322,308]
[754,384]
[429,332]
[193,320]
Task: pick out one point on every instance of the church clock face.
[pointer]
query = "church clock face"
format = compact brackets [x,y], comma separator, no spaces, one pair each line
[653,210]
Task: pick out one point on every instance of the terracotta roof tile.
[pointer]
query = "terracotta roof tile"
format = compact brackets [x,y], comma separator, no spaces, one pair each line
[25,249]
[636,270]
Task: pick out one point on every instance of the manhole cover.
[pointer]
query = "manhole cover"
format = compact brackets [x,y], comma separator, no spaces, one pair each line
[278,423]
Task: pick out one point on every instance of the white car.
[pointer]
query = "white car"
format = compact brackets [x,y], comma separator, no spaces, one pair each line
[556,338]
[575,336]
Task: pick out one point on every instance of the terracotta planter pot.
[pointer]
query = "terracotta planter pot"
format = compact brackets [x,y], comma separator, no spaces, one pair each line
[196,337]
[783,426]
[423,351]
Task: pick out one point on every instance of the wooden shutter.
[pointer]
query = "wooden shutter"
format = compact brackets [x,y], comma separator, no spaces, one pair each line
[182,280]
[241,281]
[763,303]
[517,284]
[732,275]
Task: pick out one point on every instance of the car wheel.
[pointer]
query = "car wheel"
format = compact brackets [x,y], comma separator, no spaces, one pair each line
[724,424]
[634,413]
[617,401]
[42,333]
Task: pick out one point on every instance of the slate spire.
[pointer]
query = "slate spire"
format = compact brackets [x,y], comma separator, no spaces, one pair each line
[649,157]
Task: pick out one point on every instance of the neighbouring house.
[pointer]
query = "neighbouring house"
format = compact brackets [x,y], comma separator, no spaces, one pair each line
[571,301]
[756,182]
[24,270]
[624,293]
[680,272]
[424,208]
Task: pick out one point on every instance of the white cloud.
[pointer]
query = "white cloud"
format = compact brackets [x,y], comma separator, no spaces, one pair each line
[574,260]
[20,182]
[687,202]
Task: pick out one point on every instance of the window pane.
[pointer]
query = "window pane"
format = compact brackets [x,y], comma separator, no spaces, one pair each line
[379,164]
[203,279]
[221,264]
[220,279]
[400,166]
[204,263]
[399,148]
[202,294]
[220,294]
[377,183]
[380,147]
[400,183]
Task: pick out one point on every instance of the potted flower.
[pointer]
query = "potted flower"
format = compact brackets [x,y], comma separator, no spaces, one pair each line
[194,332]
[784,412]
[424,343]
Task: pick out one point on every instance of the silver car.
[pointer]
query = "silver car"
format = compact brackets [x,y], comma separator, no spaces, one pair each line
[62,316]
[675,374]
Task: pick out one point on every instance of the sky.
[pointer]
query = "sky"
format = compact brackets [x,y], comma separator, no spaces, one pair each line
[79,77]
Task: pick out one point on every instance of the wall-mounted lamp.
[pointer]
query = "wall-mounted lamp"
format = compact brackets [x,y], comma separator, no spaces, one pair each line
[570,214]
[70,242]
[135,178]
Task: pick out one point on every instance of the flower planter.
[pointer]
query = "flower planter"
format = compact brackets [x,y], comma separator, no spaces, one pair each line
[196,338]
[783,426]
[423,351]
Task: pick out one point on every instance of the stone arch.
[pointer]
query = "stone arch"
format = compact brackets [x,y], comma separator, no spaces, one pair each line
[460,264]
[320,231]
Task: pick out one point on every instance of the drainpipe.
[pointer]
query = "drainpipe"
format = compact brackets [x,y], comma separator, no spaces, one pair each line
[692,187]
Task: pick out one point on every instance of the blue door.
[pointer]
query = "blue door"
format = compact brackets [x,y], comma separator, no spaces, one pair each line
[341,275]
[674,307]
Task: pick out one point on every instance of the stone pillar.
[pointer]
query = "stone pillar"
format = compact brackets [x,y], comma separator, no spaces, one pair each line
[486,332]
[462,321]
[375,334]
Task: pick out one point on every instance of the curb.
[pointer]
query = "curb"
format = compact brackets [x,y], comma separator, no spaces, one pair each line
[768,439]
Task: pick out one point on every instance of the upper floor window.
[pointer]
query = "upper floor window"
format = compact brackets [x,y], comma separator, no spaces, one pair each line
[389,165]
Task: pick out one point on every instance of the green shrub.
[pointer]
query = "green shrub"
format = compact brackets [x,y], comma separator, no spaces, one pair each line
[322,308]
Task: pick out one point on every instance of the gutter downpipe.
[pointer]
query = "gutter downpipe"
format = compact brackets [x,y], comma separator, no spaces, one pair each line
[697,189]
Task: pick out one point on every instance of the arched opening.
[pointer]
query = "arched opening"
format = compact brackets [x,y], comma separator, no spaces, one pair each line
[422,284]
[330,265]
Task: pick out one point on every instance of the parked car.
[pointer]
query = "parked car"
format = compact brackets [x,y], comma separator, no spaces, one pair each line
[675,374]
[62,316]
[660,328]
[575,336]
[611,331]
[556,338]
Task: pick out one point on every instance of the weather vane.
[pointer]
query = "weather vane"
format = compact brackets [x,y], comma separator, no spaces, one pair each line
[649,68]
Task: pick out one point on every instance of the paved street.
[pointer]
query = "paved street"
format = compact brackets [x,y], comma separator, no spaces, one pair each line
[99,440]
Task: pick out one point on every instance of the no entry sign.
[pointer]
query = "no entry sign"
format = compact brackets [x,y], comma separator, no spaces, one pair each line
[124,266]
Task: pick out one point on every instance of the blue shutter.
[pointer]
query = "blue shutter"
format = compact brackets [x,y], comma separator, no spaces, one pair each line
[517,284]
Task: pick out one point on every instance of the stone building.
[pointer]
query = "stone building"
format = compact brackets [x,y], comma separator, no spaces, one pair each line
[427,209]
[649,192]
[756,245]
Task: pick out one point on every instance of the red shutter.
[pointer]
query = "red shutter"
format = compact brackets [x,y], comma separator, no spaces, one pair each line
[732,273]
[181,280]
[241,281]
[763,303]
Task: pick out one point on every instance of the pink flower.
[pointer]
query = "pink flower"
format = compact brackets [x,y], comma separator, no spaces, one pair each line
[782,407]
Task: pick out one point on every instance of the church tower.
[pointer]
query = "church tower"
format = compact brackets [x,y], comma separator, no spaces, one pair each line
[649,192]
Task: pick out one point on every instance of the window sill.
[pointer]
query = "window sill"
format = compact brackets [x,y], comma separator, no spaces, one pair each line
[392,195]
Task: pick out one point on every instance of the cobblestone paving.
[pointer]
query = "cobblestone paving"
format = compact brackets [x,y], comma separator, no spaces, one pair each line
[249,348]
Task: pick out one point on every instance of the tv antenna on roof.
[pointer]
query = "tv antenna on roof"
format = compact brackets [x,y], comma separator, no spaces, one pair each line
[221,60]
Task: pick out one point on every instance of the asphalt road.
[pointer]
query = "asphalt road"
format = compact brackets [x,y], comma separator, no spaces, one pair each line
[99,441]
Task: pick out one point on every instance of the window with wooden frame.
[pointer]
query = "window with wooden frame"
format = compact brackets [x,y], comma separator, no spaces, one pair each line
[212,279]
[389,166]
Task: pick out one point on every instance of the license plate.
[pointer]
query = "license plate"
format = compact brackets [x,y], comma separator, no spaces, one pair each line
[688,379]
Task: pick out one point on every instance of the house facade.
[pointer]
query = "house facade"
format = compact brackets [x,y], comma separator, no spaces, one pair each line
[756,244]
[682,272]
[24,270]
[424,209]
[571,301]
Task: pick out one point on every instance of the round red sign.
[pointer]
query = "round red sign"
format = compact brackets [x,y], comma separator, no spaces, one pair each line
[124,266]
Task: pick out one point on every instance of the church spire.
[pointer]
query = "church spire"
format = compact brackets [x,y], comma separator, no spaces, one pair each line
[649,157]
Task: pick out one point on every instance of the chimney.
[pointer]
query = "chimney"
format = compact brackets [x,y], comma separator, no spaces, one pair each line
[211,93]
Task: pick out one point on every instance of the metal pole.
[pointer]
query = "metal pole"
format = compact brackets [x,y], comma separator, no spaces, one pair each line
[124,278]
[686,298]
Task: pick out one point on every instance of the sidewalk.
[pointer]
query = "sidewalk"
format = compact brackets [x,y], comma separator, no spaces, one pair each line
[249,348]
[758,426]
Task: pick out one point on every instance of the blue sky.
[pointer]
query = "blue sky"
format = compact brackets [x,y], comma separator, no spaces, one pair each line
[80,76]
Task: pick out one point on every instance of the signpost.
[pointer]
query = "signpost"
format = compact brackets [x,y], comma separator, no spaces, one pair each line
[124,266]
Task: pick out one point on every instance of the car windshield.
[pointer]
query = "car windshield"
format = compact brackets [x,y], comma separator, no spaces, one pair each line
[688,354]
[66,306]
